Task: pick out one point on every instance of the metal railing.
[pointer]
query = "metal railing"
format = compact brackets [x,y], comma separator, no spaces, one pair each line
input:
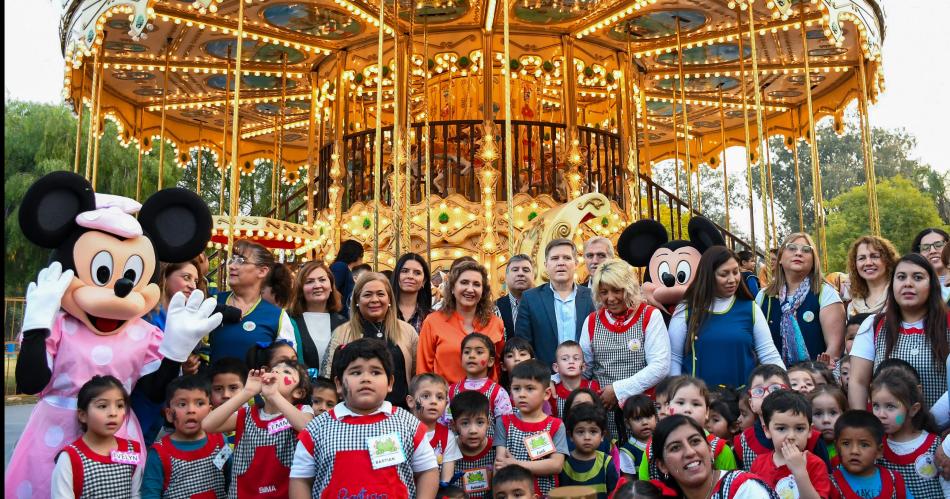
[12,320]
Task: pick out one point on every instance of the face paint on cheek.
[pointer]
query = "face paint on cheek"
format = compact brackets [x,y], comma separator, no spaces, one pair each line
[483,363]
[671,410]
[899,419]
[288,381]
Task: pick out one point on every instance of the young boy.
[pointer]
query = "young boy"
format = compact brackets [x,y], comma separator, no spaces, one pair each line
[366,446]
[513,482]
[228,376]
[662,397]
[471,422]
[859,438]
[747,268]
[322,396]
[531,438]
[587,425]
[427,399]
[189,462]
[790,469]
[569,366]
[752,442]
[639,414]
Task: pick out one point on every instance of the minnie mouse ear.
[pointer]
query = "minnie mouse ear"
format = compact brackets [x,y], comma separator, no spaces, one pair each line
[640,240]
[704,234]
[49,208]
[177,222]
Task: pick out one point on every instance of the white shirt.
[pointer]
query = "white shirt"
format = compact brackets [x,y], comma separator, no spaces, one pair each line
[765,349]
[626,463]
[62,479]
[304,466]
[318,325]
[827,296]
[451,451]
[863,345]
[904,448]
[657,349]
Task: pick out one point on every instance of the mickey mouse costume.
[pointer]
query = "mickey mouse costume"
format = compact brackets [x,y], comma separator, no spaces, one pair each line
[83,314]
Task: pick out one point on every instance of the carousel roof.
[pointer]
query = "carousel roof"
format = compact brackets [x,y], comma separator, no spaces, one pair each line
[307,41]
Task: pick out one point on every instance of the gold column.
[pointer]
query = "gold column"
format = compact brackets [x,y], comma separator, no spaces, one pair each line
[161,140]
[426,132]
[815,166]
[395,191]
[96,69]
[748,137]
[679,54]
[200,154]
[311,166]
[235,151]
[509,139]
[874,217]
[798,183]
[96,136]
[82,88]
[224,132]
[762,139]
[768,166]
[138,155]
[647,160]
[279,131]
[722,141]
[699,165]
[378,151]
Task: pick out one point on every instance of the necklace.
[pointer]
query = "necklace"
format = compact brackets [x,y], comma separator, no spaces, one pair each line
[378,329]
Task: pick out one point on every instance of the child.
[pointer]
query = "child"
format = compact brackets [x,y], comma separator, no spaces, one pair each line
[264,443]
[451,492]
[516,351]
[569,365]
[263,354]
[323,396]
[910,445]
[588,396]
[514,482]
[354,434]
[828,402]
[723,420]
[661,395]
[639,414]
[99,464]
[800,378]
[471,422]
[859,438]
[228,376]
[427,399]
[746,417]
[586,465]
[189,462]
[689,396]
[752,442]
[531,438]
[844,372]
[790,469]
[478,360]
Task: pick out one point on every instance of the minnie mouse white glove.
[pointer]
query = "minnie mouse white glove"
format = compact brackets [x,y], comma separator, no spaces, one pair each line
[44,296]
[186,323]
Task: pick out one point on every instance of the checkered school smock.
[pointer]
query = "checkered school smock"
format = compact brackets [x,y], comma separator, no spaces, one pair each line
[260,465]
[98,477]
[748,448]
[918,468]
[913,346]
[618,353]
[489,389]
[485,460]
[192,473]
[729,483]
[892,485]
[516,431]
[561,393]
[343,465]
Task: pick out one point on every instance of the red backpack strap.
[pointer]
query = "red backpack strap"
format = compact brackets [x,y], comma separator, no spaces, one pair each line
[898,480]
[879,324]
[493,392]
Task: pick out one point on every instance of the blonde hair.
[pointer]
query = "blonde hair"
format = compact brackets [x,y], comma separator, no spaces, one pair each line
[353,330]
[617,274]
[815,277]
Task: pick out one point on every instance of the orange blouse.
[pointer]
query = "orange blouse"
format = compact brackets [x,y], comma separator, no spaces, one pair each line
[440,345]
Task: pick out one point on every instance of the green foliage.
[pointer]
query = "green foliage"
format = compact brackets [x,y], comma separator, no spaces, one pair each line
[904,210]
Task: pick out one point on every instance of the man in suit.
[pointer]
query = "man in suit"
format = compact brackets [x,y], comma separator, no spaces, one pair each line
[596,250]
[519,276]
[554,312]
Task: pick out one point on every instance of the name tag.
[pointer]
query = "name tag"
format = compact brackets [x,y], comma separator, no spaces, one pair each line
[925,466]
[787,488]
[222,457]
[125,457]
[475,480]
[385,450]
[539,445]
[278,426]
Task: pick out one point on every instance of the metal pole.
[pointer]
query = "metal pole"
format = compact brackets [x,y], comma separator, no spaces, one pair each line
[763,185]
[200,157]
[235,152]
[96,136]
[509,170]
[874,217]
[378,152]
[138,169]
[96,69]
[815,166]
[311,165]
[748,137]
[679,53]
[426,134]
[798,183]
[82,88]
[722,140]
[161,140]
[224,132]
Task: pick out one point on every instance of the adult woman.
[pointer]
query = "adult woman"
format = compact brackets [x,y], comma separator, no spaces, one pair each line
[315,309]
[805,313]
[625,343]
[467,308]
[412,287]
[871,261]
[175,277]
[914,327]
[373,316]
[719,320]
[930,243]
[683,455]
[261,321]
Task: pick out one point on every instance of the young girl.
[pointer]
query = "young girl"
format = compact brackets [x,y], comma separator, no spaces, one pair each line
[828,402]
[746,416]
[478,360]
[689,396]
[910,446]
[723,420]
[802,379]
[266,434]
[639,414]
[263,355]
[516,351]
[99,464]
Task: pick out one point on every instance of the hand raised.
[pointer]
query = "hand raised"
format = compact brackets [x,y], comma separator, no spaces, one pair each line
[44,296]
[254,384]
[794,457]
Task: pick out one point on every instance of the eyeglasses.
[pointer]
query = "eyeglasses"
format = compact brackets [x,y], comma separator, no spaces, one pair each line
[761,391]
[795,247]
[924,248]
[239,260]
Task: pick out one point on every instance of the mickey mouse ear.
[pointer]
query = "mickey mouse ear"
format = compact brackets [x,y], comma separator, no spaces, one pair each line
[177,222]
[639,240]
[704,234]
[48,211]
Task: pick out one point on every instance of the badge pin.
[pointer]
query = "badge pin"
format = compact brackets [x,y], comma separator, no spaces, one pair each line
[808,316]
[249,326]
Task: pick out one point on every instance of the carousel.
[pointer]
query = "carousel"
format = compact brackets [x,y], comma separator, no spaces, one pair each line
[475,127]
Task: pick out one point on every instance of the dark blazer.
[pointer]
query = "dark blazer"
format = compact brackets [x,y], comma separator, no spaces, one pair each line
[537,322]
[310,356]
[504,308]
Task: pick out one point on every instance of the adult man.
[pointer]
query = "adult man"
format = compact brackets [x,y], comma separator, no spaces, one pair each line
[519,277]
[596,250]
[747,268]
[554,312]
[350,255]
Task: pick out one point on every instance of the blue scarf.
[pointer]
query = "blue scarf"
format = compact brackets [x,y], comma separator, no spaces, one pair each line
[793,343]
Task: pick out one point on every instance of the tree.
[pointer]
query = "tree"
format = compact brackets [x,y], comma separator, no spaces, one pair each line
[904,211]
